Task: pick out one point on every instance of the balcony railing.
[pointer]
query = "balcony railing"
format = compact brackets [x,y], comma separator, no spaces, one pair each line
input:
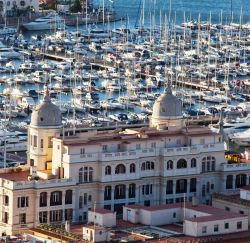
[235,167]
[136,154]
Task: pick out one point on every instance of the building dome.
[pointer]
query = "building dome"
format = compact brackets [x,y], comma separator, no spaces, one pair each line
[46,114]
[167,106]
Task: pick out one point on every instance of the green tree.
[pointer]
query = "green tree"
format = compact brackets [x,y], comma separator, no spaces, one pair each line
[76,7]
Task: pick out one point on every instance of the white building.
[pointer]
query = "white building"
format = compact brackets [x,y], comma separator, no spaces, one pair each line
[111,168]
[95,233]
[198,220]
[235,201]
[102,217]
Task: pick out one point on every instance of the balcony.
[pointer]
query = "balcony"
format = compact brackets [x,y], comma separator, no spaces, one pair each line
[180,172]
[136,154]
[43,184]
[192,149]
[68,158]
[235,167]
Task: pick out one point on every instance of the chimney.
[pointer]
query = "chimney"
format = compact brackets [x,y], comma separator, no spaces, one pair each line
[194,201]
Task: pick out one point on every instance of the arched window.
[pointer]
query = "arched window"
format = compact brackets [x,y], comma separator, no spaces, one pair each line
[169,187]
[229,182]
[107,193]
[56,198]
[241,180]
[68,197]
[181,186]
[120,169]
[108,170]
[193,163]
[120,192]
[132,168]
[181,164]
[86,174]
[193,185]
[131,190]
[170,164]
[148,165]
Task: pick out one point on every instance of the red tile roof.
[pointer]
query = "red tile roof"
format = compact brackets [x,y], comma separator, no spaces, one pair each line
[247,188]
[213,213]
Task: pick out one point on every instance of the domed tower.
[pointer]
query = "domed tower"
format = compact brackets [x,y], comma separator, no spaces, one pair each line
[46,123]
[167,112]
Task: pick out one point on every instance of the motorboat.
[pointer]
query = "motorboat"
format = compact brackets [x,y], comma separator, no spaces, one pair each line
[51,21]
[241,138]
[8,52]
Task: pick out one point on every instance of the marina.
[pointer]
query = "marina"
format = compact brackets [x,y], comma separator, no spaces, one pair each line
[124,121]
[110,77]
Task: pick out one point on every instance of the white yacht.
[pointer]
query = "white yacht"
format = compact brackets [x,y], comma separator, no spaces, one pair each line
[241,138]
[8,52]
[51,21]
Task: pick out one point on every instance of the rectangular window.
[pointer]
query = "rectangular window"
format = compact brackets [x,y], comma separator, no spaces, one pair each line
[56,216]
[68,214]
[31,140]
[35,141]
[41,145]
[174,215]
[22,202]
[153,145]
[204,229]
[6,200]
[85,199]
[43,217]
[6,217]
[82,151]
[31,162]
[22,218]
[239,225]
[227,208]
[85,216]
[226,225]
[80,202]
[50,143]
[104,148]
[241,212]
[138,146]
[216,228]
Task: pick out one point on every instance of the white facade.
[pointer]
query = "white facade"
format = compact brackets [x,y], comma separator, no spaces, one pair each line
[216,227]
[95,233]
[245,193]
[197,220]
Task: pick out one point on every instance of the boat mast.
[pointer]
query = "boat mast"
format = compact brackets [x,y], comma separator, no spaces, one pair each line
[231,14]
[86,14]
[103,15]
